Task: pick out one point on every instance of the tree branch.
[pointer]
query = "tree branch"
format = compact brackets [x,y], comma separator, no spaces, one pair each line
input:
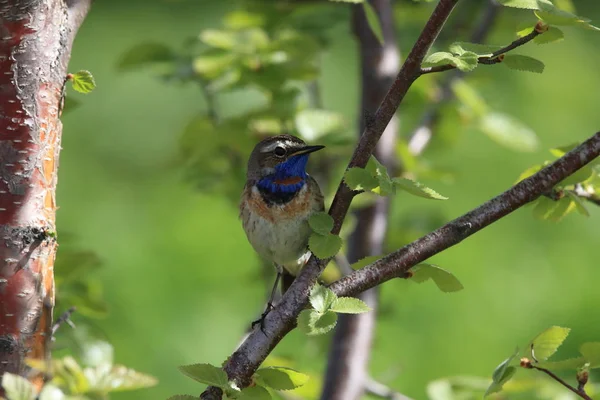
[578,391]
[497,56]
[397,263]
[346,376]
[422,135]
[248,357]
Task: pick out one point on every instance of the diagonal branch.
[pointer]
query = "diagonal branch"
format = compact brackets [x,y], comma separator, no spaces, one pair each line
[397,263]
[252,352]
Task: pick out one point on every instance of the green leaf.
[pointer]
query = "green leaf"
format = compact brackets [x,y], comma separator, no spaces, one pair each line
[552,35]
[321,298]
[523,63]
[443,279]
[314,123]
[508,132]
[116,378]
[212,64]
[281,378]
[83,81]
[544,207]
[438,58]
[555,16]
[17,387]
[546,343]
[502,374]
[360,179]
[349,305]
[591,352]
[373,21]
[482,50]
[207,374]
[562,150]
[324,246]
[254,393]
[581,175]
[527,4]
[144,54]
[218,39]
[321,222]
[500,370]
[363,262]
[240,19]
[380,172]
[564,207]
[467,61]
[570,363]
[579,206]
[417,189]
[497,386]
[468,96]
[313,322]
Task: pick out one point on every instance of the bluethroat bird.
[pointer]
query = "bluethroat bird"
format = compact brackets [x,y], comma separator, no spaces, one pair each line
[278,198]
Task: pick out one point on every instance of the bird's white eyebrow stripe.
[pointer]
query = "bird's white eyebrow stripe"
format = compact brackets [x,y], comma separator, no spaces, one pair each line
[271,146]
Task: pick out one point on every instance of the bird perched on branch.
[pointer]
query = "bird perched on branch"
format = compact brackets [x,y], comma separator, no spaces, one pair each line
[278,198]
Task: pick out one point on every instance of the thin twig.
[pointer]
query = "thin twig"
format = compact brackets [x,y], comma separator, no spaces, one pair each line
[65,318]
[581,393]
[496,57]
[382,391]
[248,357]
[422,135]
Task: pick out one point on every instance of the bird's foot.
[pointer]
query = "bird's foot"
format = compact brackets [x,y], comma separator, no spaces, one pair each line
[261,320]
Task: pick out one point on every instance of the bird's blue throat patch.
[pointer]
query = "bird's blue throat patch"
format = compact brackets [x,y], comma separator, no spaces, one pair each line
[289,176]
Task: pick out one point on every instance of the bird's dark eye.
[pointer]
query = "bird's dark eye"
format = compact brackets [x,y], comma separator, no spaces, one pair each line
[279,151]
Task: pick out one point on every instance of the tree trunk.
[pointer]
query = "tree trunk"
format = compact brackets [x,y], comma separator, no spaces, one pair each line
[35,46]
[347,371]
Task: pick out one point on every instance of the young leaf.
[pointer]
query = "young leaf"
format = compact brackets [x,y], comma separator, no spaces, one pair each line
[502,374]
[349,305]
[443,279]
[417,189]
[324,246]
[117,378]
[281,378]
[529,171]
[562,150]
[466,62]
[83,81]
[314,123]
[254,393]
[360,179]
[321,298]
[523,63]
[144,54]
[218,39]
[439,58]
[579,206]
[509,132]
[544,207]
[17,387]
[569,363]
[380,172]
[581,175]
[497,386]
[555,16]
[468,96]
[482,50]
[564,206]
[373,21]
[313,322]
[546,343]
[527,4]
[321,223]
[552,35]
[207,374]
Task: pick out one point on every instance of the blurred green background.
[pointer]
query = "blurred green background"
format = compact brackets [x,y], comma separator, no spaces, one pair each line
[182,282]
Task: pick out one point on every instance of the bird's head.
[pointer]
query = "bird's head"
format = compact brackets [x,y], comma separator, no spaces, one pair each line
[278,163]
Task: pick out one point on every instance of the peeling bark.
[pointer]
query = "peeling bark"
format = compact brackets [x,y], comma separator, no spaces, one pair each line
[35,45]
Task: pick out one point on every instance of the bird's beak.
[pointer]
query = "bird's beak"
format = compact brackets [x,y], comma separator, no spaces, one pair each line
[307,149]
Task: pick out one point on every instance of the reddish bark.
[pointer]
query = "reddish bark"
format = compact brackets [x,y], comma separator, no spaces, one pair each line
[35,45]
